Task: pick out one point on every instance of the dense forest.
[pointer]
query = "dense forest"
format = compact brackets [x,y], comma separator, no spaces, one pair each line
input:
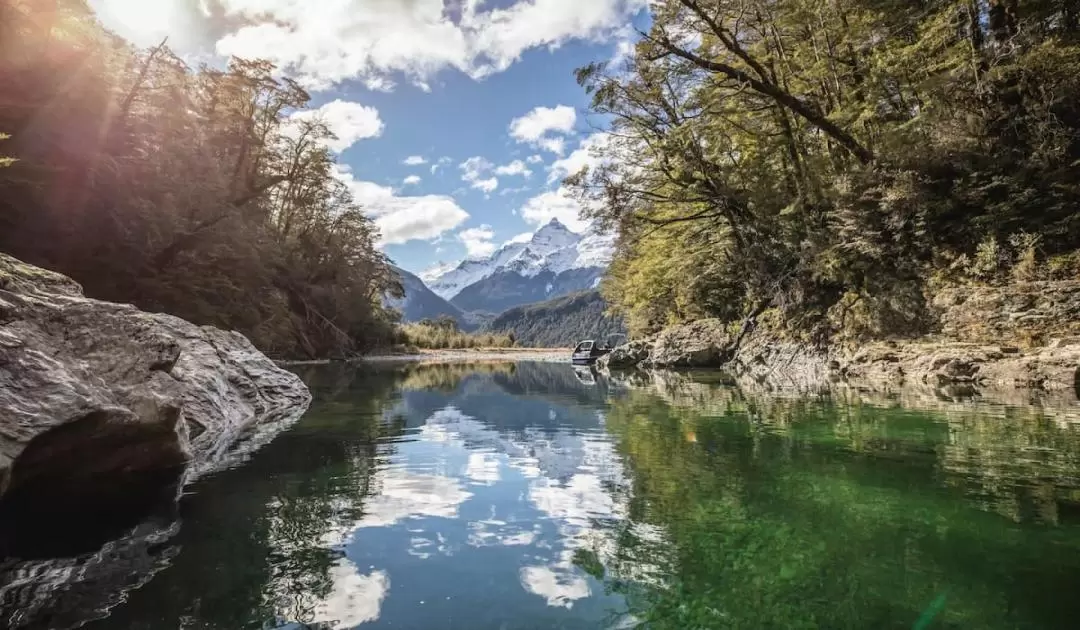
[561,322]
[828,164]
[192,191]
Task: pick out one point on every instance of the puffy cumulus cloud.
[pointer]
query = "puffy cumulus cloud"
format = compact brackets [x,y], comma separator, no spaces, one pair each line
[544,127]
[517,167]
[477,241]
[486,185]
[326,42]
[349,122]
[534,159]
[414,160]
[411,180]
[404,218]
[473,171]
[588,154]
[554,204]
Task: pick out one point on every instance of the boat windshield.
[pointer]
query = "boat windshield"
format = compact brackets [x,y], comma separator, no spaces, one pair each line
[584,346]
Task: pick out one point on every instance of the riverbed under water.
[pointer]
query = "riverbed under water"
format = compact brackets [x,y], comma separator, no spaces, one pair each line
[536,495]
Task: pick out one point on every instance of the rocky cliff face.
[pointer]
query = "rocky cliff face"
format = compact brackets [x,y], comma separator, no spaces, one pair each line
[1034,311]
[1025,336]
[103,406]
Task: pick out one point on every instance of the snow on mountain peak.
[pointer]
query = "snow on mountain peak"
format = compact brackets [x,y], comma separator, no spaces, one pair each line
[552,248]
[435,271]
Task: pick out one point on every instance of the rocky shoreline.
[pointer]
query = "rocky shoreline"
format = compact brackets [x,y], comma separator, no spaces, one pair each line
[1025,337]
[103,406]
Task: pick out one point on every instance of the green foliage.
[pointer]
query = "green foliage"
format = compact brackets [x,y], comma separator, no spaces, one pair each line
[561,322]
[186,191]
[828,159]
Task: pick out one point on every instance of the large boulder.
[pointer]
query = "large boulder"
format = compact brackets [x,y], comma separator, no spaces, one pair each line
[103,405]
[626,356]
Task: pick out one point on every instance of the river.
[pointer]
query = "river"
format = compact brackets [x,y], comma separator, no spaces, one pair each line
[509,495]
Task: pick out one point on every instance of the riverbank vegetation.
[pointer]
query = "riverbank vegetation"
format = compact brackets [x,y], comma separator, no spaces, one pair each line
[443,333]
[835,163]
[192,191]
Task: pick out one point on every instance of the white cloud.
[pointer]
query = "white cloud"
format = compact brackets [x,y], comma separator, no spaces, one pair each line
[534,159]
[554,145]
[517,167]
[543,127]
[379,84]
[542,120]
[524,237]
[414,160]
[349,121]
[554,204]
[473,171]
[477,241]
[443,161]
[323,43]
[586,155]
[487,185]
[411,180]
[402,219]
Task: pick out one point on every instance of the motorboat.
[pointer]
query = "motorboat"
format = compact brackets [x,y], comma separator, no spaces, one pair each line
[587,352]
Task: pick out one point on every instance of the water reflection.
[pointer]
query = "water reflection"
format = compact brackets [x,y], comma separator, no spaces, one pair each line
[533,495]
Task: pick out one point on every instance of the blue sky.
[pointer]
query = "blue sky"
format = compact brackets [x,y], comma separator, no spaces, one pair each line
[482,90]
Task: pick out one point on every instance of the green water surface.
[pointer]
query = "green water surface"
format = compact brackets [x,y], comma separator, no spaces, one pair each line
[531,495]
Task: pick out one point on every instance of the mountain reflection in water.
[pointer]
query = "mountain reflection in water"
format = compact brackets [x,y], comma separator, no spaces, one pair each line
[534,495]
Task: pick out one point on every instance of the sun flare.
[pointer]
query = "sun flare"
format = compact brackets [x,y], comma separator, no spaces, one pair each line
[144,18]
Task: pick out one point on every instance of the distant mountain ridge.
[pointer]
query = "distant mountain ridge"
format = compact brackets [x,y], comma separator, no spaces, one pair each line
[555,261]
[421,303]
[561,322]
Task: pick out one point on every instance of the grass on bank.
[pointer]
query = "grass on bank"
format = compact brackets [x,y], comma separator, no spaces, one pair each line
[439,335]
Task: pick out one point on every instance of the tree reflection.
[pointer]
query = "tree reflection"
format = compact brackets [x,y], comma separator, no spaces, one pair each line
[805,513]
[261,543]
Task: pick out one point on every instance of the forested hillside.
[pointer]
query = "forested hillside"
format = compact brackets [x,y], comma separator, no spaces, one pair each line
[830,164]
[561,322]
[190,191]
[419,302]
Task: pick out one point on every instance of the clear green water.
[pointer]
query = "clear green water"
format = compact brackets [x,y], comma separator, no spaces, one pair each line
[528,496]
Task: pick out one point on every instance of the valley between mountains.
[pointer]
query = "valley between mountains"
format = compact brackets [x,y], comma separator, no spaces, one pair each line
[544,290]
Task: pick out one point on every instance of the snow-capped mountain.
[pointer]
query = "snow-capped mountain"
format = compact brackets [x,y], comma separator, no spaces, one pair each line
[555,261]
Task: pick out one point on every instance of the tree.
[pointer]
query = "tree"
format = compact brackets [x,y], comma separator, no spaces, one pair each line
[195,192]
[826,160]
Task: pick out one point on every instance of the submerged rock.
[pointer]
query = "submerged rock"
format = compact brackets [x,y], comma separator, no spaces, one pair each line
[103,405]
